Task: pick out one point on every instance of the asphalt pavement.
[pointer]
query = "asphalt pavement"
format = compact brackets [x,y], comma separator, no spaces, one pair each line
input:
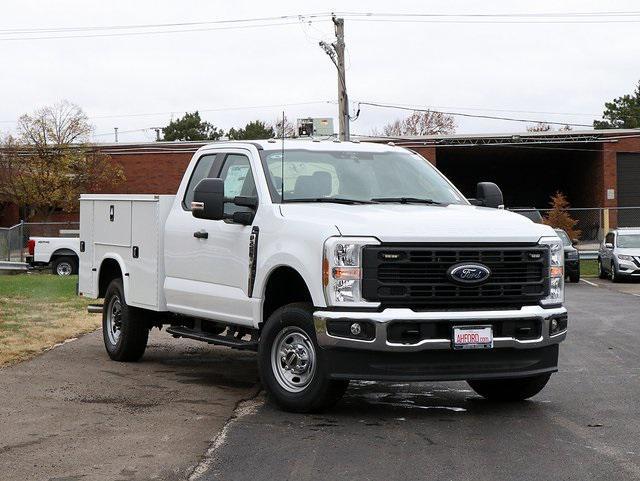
[71,414]
[584,426]
[191,411]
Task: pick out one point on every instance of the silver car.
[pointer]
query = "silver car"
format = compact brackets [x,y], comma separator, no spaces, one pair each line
[619,255]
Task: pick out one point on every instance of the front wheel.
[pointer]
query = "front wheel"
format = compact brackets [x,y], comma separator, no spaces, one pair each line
[575,277]
[517,389]
[125,329]
[601,272]
[292,368]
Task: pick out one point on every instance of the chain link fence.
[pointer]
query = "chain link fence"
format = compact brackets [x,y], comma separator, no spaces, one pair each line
[594,222]
[14,240]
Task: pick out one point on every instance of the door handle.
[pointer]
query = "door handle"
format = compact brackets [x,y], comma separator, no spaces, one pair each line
[201,234]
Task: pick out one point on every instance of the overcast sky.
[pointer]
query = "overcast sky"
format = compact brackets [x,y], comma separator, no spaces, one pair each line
[464,67]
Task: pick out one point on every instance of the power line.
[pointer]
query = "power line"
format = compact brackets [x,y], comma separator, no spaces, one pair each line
[221,109]
[36,30]
[477,116]
[88,31]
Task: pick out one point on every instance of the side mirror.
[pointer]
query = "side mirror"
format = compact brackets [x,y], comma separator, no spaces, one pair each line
[208,199]
[574,242]
[489,194]
[608,245]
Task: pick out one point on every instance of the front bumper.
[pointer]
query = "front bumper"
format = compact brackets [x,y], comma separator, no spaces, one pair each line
[381,321]
[434,359]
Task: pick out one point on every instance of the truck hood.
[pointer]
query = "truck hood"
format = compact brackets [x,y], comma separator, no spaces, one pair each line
[422,223]
[628,251]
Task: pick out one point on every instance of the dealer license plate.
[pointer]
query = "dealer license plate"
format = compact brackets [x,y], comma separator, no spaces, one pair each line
[472,337]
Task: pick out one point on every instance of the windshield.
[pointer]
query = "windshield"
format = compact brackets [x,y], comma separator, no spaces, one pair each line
[356,176]
[564,237]
[629,241]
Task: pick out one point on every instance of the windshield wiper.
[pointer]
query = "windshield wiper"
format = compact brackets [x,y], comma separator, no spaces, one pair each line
[334,200]
[407,200]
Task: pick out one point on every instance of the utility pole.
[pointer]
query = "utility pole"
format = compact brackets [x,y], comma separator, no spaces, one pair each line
[115,131]
[335,51]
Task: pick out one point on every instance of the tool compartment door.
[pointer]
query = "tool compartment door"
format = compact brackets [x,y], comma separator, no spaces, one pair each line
[143,256]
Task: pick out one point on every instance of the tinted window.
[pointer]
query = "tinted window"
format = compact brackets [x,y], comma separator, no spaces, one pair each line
[203,170]
[238,180]
[609,238]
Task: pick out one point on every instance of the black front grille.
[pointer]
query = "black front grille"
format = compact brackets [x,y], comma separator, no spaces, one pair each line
[415,276]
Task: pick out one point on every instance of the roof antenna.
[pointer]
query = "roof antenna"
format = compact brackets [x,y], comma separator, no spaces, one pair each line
[282,161]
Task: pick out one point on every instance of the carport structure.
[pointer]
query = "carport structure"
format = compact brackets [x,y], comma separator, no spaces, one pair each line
[598,168]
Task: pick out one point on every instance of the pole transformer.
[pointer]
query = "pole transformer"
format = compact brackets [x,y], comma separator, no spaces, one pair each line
[335,51]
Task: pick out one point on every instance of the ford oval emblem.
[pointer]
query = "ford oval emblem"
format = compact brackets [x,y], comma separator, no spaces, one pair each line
[469,273]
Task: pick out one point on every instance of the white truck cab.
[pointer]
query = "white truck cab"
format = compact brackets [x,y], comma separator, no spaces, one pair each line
[335,261]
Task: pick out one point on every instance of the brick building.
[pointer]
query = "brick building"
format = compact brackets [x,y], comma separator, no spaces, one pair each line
[593,168]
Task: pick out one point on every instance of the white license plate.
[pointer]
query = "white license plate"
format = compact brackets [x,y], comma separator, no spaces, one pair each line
[472,337]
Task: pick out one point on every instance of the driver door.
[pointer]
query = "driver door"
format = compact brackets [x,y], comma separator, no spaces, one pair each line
[207,274]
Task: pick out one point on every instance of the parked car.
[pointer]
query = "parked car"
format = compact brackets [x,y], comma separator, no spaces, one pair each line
[571,257]
[619,255]
[335,261]
[60,253]
[530,213]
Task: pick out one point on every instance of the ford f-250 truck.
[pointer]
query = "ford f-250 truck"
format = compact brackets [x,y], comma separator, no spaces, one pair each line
[60,253]
[335,261]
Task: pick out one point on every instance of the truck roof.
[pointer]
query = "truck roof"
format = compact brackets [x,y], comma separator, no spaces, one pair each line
[309,144]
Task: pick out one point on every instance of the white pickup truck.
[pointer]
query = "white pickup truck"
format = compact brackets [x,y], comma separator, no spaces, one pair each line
[60,253]
[335,261]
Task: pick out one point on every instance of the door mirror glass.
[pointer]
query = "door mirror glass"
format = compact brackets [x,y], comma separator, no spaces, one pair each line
[489,194]
[208,199]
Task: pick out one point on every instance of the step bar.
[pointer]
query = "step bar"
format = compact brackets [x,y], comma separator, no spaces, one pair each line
[228,341]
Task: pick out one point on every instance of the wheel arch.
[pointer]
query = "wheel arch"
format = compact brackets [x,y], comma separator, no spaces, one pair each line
[64,252]
[112,267]
[283,285]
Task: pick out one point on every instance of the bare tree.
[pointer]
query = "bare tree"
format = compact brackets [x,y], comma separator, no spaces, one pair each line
[426,122]
[289,128]
[49,164]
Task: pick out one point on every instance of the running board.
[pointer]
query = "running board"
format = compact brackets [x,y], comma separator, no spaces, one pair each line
[229,341]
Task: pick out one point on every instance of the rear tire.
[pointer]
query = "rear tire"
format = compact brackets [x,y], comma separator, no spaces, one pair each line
[64,266]
[125,329]
[510,390]
[574,277]
[292,368]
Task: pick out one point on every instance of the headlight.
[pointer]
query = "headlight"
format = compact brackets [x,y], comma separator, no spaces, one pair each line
[623,257]
[556,270]
[342,271]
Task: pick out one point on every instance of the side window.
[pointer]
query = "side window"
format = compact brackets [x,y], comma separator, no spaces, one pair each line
[203,169]
[238,180]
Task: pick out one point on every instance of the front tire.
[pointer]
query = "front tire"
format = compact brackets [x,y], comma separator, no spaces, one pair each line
[601,272]
[575,277]
[125,329]
[614,275]
[510,390]
[292,366]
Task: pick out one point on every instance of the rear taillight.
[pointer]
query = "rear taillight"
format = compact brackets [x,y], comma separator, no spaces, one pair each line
[31,246]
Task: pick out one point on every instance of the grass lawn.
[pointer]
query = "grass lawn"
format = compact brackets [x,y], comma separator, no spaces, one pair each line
[589,268]
[38,311]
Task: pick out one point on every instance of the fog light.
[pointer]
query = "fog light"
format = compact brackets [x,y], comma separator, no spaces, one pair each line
[356,329]
[554,325]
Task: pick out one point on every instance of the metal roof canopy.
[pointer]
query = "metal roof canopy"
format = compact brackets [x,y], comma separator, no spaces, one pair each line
[586,136]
